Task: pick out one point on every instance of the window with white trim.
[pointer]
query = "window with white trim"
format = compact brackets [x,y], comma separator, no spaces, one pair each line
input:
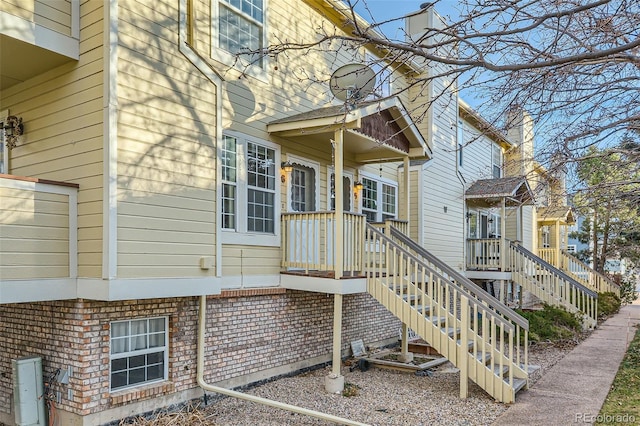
[379,200]
[4,150]
[248,188]
[240,27]
[496,160]
[572,248]
[460,142]
[139,352]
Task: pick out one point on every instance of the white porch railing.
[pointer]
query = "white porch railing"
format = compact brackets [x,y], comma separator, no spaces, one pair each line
[549,255]
[308,242]
[586,275]
[551,285]
[483,253]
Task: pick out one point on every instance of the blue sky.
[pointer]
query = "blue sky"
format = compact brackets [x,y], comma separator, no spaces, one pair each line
[386,9]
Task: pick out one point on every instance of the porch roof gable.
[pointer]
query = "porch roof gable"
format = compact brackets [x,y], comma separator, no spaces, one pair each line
[515,189]
[376,131]
[563,214]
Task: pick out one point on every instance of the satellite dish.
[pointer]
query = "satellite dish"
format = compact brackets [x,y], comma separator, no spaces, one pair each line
[352,82]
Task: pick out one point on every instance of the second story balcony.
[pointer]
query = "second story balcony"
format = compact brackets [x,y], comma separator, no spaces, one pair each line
[38,239]
[36,36]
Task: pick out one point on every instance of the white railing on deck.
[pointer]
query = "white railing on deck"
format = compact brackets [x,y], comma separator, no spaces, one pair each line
[483,253]
[586,275]
[384,227]
[476,339]
[549,255]
[550,284]
[308,241]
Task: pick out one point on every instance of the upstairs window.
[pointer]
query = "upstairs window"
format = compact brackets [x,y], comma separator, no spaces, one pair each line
[241,26]
[496,160]
[248,188]
[460,142]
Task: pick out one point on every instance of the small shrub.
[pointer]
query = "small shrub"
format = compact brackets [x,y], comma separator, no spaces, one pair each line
[350,389]
[552,324]
[608,304]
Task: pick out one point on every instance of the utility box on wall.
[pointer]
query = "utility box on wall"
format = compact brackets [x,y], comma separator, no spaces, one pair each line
[28,391]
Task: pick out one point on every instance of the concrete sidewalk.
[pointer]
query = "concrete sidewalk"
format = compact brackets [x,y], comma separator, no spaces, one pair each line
[573,390]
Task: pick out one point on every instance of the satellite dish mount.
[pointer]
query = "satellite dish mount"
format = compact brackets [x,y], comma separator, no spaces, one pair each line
[352,83]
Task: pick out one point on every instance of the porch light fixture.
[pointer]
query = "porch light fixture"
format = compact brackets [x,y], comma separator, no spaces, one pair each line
[13,128]
[286,168]
[357,187]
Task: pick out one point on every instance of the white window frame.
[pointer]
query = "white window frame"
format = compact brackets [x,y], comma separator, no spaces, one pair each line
[4,161]
[137,352]
[351,176]
[241,235]
[304,163]
[460,136]
[572,248]
[494,147]
[380,181]
[228,58]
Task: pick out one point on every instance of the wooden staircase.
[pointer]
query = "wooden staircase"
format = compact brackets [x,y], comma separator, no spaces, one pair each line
[480,336]
[551,285]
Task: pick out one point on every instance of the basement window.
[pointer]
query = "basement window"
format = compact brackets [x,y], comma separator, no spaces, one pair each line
[139,352]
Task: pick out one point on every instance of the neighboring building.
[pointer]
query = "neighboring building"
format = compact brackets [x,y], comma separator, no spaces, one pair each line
[161,185]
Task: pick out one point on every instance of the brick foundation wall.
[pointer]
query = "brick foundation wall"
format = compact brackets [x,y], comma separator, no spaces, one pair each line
[248,331]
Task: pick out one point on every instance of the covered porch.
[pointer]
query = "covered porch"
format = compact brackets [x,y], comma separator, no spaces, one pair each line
[486,244]
[321,244]
[553,232]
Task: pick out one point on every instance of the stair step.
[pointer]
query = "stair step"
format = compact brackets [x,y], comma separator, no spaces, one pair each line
[496,370]
[436,319]
[518,384]
[485,355]
[451,331]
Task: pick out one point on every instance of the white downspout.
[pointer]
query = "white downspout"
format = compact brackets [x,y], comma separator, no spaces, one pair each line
[202,316]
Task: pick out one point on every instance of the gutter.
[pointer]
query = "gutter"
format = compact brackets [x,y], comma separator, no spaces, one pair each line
[202,316]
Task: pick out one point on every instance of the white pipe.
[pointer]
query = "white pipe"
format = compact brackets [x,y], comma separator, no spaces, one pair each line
[202,316]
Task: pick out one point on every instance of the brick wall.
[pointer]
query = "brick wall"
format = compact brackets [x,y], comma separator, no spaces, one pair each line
[248,331]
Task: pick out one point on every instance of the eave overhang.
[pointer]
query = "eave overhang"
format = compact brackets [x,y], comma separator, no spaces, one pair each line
[374,131]
[515,191]
[550,215]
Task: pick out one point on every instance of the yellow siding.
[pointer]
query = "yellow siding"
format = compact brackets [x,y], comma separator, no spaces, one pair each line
[34,236]
[166,149]
[63,114]
[20,8]
[241,260]
[52,14]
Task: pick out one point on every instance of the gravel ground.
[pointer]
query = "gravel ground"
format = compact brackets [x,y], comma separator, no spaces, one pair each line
[382,397]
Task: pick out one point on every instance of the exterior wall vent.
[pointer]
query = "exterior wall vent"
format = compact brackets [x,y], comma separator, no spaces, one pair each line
[28,389]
